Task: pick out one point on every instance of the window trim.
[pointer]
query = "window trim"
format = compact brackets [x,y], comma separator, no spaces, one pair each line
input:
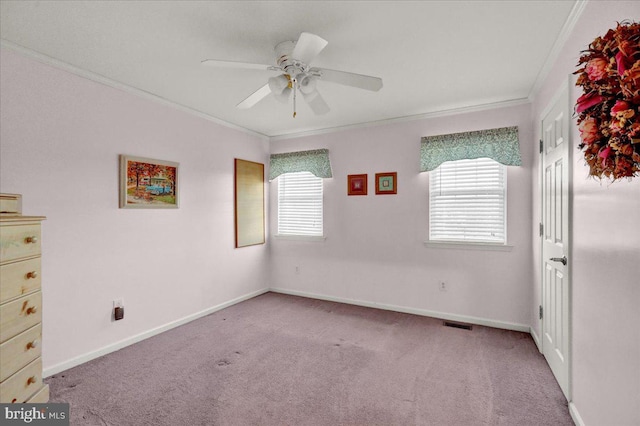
[468,245]
[308,238]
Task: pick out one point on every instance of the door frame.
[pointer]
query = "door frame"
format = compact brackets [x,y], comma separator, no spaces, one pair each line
[567,84]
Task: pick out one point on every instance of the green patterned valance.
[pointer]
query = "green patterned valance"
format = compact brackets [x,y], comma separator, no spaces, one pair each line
[498,144]
[316,162]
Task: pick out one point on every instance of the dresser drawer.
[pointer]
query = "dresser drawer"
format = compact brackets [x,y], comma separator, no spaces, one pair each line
[10,204]
[19,278]
[41,397]
[19,351]
[18,241]
[22,385]
[19,315]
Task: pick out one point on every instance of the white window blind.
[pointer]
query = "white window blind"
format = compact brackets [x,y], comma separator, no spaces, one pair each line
[467,201]
[299,204]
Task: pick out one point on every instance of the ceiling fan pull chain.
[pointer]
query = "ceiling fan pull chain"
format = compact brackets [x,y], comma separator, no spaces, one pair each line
[294,96]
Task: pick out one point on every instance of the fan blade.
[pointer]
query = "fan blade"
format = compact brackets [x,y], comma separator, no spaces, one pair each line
[255,97]
[349,79]
[233,64]
[316,102]
[308,47]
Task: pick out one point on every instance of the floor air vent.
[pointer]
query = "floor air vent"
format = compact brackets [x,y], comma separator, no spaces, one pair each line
[458,325]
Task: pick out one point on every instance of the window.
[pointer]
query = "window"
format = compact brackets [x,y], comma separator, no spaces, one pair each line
[467,201]
[299,204]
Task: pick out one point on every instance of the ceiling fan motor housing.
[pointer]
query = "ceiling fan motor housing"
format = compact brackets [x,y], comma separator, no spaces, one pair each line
[287,64]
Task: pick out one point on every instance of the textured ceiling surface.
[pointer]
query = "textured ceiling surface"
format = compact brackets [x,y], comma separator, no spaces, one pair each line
[432,55]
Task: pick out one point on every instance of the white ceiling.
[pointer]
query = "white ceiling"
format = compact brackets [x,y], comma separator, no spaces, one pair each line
[432,55]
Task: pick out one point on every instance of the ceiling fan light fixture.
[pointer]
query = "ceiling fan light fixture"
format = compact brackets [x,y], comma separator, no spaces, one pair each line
[307,84]
[281,87]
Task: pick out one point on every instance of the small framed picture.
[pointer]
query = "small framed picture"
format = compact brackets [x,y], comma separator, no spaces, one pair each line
[148,184]
[357,184]
[386,183]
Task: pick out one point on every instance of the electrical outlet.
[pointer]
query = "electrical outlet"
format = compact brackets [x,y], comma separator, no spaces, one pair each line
[443,286]
[118,309]
[118,313]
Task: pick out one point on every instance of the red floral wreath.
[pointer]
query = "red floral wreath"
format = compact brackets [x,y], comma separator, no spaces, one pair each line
[609,108]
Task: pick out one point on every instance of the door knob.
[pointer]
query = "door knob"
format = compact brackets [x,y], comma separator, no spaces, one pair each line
[562,259]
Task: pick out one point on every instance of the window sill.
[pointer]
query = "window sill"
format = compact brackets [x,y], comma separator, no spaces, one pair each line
[468,246]
[310,238]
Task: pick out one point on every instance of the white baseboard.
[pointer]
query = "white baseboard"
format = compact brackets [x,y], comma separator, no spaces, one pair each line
[406,310]
[536,339]
[54,369]
[575,416]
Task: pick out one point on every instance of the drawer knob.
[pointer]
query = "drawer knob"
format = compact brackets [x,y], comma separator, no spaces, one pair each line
[31,310]
[32,345]
[31,380]
[31,240]
[32,274]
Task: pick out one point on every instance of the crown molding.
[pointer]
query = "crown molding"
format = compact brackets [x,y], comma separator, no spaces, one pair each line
[48,60]
[565,32]
[408,118]
[158,99]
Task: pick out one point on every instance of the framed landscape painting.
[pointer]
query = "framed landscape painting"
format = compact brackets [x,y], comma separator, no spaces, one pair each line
[148,184]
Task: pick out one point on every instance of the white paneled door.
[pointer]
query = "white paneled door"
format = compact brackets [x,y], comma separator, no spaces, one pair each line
[556,263]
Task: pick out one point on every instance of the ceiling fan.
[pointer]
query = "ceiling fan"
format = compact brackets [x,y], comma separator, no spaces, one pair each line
[292,60]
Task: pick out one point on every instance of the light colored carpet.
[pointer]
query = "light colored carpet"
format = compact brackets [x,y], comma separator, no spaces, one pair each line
[285,360]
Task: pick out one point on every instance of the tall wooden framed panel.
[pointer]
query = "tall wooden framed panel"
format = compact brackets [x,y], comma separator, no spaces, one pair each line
[249,203]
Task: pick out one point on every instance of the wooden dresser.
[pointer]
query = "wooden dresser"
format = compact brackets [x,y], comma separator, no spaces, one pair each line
[20,305]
